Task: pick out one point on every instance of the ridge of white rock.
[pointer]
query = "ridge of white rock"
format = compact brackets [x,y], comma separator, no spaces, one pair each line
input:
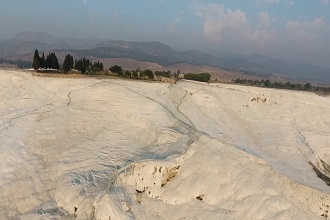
[114,149]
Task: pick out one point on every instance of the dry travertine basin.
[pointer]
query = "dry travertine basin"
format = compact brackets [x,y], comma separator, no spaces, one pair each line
[88,148]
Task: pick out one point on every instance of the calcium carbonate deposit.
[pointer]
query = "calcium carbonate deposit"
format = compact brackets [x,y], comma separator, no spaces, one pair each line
[88,148]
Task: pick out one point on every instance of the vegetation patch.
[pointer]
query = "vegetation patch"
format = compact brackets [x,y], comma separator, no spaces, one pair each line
[202,77]
[279,85]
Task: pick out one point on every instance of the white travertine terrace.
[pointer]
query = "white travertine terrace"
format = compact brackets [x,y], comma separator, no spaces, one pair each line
[116,149]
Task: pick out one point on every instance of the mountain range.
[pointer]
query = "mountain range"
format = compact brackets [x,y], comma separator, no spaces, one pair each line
[22,46]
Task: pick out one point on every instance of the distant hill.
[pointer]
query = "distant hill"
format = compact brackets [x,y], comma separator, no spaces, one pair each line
[195,57]
[153,48]
[26,42]
[22,46]
[153,52]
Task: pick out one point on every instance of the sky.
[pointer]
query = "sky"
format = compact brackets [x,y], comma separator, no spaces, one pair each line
[285,29]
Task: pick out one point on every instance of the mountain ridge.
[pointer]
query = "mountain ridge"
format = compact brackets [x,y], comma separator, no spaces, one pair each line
[24,44]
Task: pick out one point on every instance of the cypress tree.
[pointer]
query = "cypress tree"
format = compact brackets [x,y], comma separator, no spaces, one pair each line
[67,64]
[71,62]
[52,61]
[42,61]
[48,64]
[36,60]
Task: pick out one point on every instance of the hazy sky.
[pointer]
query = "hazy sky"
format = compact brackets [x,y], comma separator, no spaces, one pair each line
[293,29]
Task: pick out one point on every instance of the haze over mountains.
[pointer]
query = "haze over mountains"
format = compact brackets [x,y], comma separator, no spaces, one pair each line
[22,46]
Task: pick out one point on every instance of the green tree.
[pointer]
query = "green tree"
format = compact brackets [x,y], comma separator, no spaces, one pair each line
[268,83]
[116,69]
[82,65]
[36,60]
[52,61]
[308,86]
[78,65]
[128,73]
[36,64]
[90,69]
[149,74]
[135,74]
[97,66]
[42,61]
[163,74]
[68,63]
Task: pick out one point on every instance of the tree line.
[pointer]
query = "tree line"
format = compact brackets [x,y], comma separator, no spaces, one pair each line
[147,74]
[280,85]
[51,62]
[86,66]
[142,74]
[202,77]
